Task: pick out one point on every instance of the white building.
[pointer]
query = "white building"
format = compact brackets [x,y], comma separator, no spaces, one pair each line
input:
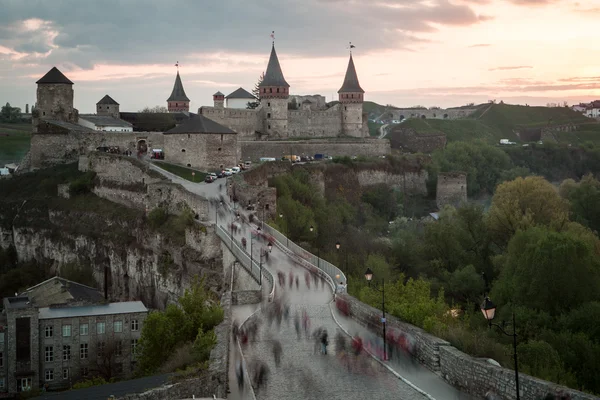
[239,99]
[105,123]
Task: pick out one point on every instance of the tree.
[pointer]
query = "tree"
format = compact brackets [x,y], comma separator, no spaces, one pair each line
[256,93]
[484,164]
[10,114]
[155,109]
[549,271]
[584,198]
[522,203]
[110,354]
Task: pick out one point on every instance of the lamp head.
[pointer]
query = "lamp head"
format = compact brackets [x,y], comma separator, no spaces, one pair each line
[488,309]
[270,247]
[311,228]
[280,215]
[368,274]
[337,245]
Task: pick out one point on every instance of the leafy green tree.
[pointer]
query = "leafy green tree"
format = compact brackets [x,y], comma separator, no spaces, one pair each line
[540,359]
[584,198]
[385,200]
[523,203]
[548,271]
[466,285]
[256,93]
[10,114]
[483,163]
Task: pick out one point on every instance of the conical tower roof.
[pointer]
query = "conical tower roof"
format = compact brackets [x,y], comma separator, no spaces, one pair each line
[274,75]
[54,76]
[351,80]
[178,94]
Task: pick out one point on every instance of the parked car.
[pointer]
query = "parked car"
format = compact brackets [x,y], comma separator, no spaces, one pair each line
[228,172]
[209,179]
[235,170]
[221,174]
[212,175]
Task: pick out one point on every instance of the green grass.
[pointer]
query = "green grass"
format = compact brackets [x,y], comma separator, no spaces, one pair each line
[184,172]
[14,146]
[373,128]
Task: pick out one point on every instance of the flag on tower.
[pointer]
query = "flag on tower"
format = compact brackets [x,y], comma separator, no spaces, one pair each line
[352,46]
[177,64]
[273,35]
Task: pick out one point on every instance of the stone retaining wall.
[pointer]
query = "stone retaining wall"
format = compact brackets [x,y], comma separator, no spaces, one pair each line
[246,297]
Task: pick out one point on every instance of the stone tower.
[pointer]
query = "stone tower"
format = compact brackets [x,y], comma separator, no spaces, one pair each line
[274,93]
[178,101]
[108,106]
[54,99]
[219,99]
[351,95]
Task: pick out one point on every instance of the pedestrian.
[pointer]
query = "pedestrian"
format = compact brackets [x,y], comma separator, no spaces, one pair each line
[291,276]
[277,350]
[239,371]
[297,283]
[297,325]
[324,341]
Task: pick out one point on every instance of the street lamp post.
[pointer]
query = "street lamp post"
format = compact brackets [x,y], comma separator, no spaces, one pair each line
[368,277]
[251,261]
[489,312]
[318,249]
[337,246]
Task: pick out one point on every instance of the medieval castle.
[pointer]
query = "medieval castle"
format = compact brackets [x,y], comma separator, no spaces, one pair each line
[215,137]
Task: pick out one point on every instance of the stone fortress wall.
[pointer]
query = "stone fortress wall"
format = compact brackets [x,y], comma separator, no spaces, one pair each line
[472,375]
[453,113]
[307,122]
[244,122]
[408,140]
[203,151]
[254,150]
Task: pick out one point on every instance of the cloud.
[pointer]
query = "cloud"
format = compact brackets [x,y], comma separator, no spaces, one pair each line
[581,79]
[480,45]
[85,33]
[510,68]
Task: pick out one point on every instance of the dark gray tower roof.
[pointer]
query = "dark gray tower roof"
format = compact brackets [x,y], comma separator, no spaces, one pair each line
[274,75]
[200,124]
[107,100]
[178,94]
[351,80]
[218,94]
[240,93]
[54,76]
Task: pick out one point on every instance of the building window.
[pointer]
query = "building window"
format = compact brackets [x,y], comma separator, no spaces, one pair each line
[49,353]
[118,348]
[183,150]
[135,325]
[277,90]
[1,359]
[268,115]
[66,353]
[83,329]
[1,337]
[49,331]
[2,384]
[118,326]
[270,90]
[65,373]
[133,346]
[221,138]
[66,330]
[49,375]
[83,351]
[269,127]
[268,104]
[219,149]
[100,328]
[100,351]
[189,136]
[84,371]
[345,108]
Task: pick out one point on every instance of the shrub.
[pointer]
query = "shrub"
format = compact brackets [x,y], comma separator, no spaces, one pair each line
[181,358]
[83,184]
[157,217]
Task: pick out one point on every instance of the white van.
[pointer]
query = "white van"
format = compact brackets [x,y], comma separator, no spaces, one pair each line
[235,170]
[266,159]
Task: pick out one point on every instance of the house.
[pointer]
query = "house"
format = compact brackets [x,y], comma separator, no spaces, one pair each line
[105,123]
[239,98]
[60,331]
[590,110]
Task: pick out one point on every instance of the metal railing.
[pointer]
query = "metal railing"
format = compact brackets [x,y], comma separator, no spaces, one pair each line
[251,266]
[334,273]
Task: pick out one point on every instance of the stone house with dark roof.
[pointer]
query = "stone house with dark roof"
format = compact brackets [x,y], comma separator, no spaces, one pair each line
[202,143]
[239,98]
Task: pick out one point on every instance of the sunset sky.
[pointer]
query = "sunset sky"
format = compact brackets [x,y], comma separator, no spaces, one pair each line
[408,52]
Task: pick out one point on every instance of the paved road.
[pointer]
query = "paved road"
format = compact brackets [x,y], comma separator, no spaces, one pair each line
[102,392]
[303,374]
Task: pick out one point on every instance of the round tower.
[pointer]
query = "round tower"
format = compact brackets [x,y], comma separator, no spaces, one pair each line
[351,96]
[178,101]
[54,99]
[219,100]
[108,106]
[274,93]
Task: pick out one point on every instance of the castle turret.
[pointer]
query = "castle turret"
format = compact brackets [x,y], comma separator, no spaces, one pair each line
[274,93]
[178,101]
[351,95]
[108,106]
[219,99]
[54,99]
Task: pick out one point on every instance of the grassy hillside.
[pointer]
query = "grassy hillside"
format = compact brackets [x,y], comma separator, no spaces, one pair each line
[14,141]
[492,122]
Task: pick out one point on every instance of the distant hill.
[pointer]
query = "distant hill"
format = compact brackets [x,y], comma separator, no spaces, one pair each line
[492,122]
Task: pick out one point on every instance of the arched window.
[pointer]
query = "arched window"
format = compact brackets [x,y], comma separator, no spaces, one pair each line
[277,90]
[183,150]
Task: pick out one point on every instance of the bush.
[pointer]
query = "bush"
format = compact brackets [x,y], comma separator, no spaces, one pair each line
[83,184]
[157,217]
[181,358]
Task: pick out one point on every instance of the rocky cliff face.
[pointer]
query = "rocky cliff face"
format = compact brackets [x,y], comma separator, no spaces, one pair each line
[140,263]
